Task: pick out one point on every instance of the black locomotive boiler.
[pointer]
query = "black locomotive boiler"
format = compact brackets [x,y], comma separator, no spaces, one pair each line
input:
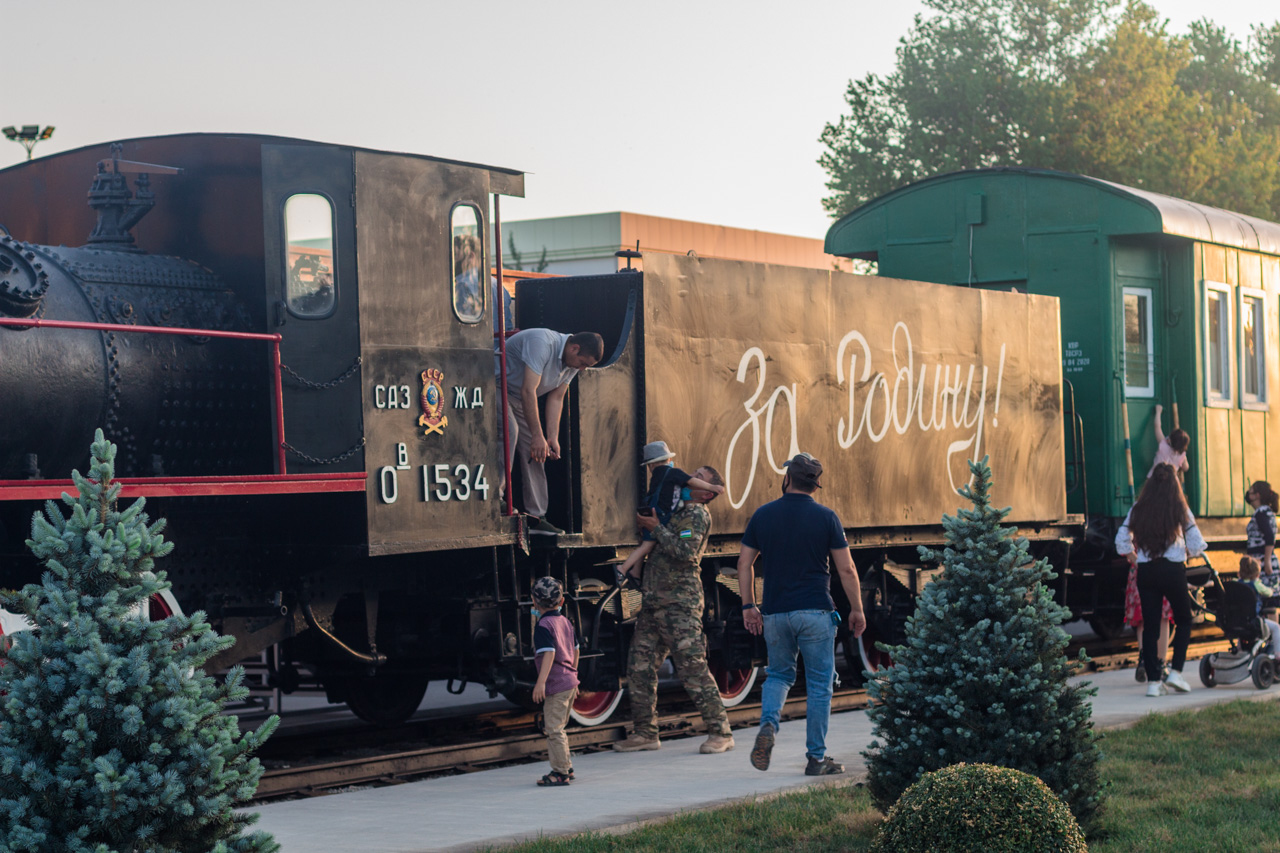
[292,344]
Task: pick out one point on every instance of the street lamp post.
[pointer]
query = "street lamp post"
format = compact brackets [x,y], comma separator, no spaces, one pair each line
[28,135]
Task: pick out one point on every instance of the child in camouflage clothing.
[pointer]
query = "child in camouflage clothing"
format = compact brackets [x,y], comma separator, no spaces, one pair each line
[668,486]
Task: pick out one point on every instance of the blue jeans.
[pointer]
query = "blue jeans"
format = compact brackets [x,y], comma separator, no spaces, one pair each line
[812,633]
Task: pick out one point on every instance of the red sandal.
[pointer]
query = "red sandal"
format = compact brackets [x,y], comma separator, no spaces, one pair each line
[554,780]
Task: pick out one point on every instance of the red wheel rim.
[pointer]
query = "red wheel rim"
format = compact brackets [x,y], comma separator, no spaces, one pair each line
[734,684]
[873,660]
[590,708]
[158,609]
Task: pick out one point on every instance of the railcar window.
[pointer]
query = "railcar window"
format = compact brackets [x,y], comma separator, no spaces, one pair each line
[1253,337]
[1139,351]
[468,263]
[310,284]
[1217,344]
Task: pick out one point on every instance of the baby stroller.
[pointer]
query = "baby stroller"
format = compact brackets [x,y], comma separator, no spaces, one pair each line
[1249,637]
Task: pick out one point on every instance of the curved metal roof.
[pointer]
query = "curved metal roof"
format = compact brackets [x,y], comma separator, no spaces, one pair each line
[1177,216]
[1184,218]
[263,138]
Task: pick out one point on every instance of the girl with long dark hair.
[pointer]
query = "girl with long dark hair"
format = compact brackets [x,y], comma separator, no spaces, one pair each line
[1157,536]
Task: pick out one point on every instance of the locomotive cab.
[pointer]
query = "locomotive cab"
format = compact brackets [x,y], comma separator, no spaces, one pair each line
[593,492]
[375,268]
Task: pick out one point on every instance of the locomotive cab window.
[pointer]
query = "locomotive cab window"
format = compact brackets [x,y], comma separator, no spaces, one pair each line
[1253,338]
[310,286]
[1139,349]
[1217,344]
[468,263]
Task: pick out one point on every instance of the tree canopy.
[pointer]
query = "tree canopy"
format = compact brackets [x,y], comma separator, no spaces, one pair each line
[1084,86]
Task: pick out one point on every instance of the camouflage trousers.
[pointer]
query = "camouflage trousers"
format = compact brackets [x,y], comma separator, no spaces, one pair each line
[677,632]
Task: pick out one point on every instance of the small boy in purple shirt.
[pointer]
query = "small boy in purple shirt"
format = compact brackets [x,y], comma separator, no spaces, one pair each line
[555,645]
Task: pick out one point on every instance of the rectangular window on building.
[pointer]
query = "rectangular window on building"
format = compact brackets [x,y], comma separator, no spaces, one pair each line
[1253,337]
[1139,349]
[1217,344]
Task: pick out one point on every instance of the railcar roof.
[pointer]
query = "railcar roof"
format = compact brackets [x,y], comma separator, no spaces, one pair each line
[1174,216]
[207,138]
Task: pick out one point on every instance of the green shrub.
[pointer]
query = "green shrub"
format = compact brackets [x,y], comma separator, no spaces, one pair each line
[979,807]
[983,675]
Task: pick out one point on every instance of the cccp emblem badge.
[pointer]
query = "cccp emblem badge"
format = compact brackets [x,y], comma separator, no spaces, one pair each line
[433,417]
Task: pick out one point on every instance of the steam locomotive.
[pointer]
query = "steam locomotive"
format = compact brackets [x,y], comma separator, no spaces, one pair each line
[291,346]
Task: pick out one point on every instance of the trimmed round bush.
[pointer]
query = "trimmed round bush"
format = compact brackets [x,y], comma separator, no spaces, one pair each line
[970,807]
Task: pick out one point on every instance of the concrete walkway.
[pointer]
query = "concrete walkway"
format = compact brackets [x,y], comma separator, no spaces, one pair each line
[502,806]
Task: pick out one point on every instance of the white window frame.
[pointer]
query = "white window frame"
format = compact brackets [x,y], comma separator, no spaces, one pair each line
[1261,400]
[1227,349]
[1148,390]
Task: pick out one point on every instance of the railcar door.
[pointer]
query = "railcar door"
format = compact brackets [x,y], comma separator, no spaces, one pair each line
[307,197]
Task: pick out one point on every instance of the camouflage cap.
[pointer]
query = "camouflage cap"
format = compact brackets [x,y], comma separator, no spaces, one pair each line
[547,592]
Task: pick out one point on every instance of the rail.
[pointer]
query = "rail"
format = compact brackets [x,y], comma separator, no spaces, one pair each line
[273,339]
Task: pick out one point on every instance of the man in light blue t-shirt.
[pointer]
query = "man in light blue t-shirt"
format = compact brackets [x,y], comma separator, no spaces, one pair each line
[541,363]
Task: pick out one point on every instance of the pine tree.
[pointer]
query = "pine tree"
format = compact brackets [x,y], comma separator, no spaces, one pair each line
[982,678]
[111,736]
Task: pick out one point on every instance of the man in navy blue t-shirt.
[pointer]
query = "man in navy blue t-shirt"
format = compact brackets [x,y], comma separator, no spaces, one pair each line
[795,535]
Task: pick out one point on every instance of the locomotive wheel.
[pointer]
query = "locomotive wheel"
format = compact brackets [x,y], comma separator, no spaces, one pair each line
[1109,625]
[1208,677]
[863,657]
[593,708]
[1263,671]
[734,684]
[161,606]
[386,698]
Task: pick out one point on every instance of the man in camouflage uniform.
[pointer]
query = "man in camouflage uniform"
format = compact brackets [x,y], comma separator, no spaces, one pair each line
[671,622]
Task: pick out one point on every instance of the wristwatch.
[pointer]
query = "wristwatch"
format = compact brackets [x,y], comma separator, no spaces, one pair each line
[749,606]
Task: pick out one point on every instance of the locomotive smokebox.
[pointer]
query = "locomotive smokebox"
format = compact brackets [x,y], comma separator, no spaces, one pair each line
[176,405]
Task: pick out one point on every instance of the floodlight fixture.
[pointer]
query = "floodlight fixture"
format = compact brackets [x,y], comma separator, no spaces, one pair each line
[28,135]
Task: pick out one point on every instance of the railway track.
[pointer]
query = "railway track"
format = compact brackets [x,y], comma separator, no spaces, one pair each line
[314,764]
[523,742]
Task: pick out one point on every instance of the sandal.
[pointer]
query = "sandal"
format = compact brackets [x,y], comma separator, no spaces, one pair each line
[553,780]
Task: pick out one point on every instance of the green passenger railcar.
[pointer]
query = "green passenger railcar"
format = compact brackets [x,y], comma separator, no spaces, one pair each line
[1163,301]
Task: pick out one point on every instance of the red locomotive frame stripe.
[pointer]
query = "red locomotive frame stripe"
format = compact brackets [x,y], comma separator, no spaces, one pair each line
[177,487]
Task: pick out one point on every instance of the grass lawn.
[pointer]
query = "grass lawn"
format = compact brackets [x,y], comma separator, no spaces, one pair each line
[1193,781]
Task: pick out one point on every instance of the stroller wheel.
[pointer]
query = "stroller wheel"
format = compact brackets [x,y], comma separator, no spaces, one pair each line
[1208,677]
[1263,671]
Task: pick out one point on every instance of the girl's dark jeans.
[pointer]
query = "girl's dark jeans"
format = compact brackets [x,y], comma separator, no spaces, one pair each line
[1157,580]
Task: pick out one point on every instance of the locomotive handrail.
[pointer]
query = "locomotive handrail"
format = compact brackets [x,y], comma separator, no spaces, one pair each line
[1078,481]
[122,327]
[272,338]
[502,361]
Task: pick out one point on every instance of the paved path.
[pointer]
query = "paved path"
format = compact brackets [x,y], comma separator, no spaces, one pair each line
[501,806]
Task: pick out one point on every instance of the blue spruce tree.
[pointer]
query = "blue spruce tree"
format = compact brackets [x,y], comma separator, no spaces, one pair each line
[111,736]
[982,678]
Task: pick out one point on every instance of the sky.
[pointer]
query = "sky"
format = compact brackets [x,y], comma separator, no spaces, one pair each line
[703,110]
